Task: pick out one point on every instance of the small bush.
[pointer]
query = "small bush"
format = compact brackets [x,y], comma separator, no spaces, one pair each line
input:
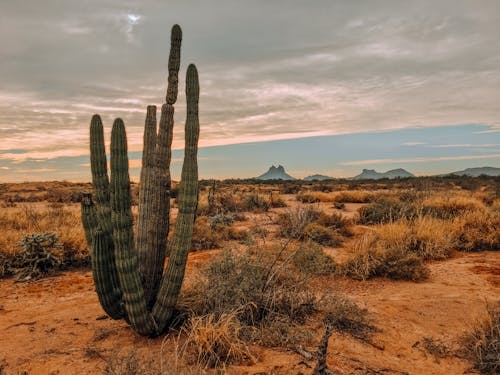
[310,259]
[38,256]
[482,344]
[294,220]
[261,287]
[322,235]
[385,257]
[354,197]
[337,222]
[476,231]
[313,197]
[443,207]
[385,210]
[255,202]
[214,341]
[275,201]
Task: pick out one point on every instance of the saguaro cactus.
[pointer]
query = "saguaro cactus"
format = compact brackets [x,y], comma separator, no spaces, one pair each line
[128,274]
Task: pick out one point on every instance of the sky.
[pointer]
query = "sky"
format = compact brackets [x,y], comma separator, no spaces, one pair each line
[327,87]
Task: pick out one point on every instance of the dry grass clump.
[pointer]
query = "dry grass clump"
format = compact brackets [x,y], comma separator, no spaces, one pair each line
[313,197]
[209,232]
[26,218]
[448,207]
[477,230]
[385,210]
[259,286]
[397,250]
[482,344]
[293,221]
[214,341]
[275,201]
[393,264]
[262,296]
[337,222]
[355,196]
[322,235]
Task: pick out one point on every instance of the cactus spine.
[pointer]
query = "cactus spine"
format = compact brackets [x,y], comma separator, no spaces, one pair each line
[128,274]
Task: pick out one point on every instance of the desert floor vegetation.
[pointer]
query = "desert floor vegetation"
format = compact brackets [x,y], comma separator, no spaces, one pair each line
[360,277]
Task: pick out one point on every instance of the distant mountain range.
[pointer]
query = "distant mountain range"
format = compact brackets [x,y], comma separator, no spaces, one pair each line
[279,173]
[476,172]
[276,173]
[372,174]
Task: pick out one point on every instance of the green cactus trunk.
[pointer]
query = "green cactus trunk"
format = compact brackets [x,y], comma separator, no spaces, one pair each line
[129,275]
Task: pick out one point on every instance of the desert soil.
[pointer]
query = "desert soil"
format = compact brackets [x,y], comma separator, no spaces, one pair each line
[56,325]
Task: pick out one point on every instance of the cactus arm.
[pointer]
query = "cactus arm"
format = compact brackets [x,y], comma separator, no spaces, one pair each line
[105,277]
[145,242]
[154,193]
[188,200]
[123,235]
[174,63]
[98,217]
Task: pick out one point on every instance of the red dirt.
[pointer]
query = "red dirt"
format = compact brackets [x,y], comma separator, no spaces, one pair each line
[55,325]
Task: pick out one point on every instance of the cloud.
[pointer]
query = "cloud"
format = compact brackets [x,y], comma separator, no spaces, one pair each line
[413,143]
[418,160]
[266,72]
[467,145]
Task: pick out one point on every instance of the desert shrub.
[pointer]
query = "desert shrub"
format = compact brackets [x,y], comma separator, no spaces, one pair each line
[261,287]
[482,344]
[313,197]
[449,207]
[38,256]
[386,253]
[429,238]
[280,332]
[220,220]
[290,188]
[337,222]
[476,231]
[204,237]
[310,259]
[214,341]
[354,196]
[322,235]
[228,202]
[255,202]
[17,221]
[209,232]
[5,264]
[384,210]
[324,188]
[293,221]
[275,201]
[339,205]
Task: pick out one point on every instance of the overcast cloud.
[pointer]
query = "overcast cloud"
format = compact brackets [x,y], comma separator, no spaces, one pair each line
[269,69]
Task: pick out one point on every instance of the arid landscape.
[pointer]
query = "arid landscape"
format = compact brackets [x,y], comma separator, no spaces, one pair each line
[350,277]
[148,225]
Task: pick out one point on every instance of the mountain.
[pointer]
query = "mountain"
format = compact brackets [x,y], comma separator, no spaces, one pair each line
[276,173]
[372,174]
[318,177]
[475,172]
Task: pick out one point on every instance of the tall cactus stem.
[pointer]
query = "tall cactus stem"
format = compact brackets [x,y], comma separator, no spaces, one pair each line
[188,201]
[123,235]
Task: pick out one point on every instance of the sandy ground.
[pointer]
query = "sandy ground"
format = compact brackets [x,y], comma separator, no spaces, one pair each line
[56,325]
